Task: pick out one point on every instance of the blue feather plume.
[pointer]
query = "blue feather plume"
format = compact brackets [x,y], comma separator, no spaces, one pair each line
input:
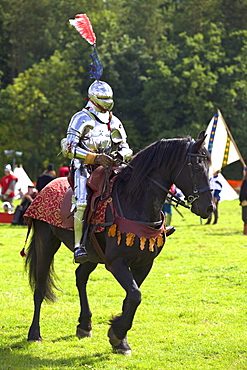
[96,65]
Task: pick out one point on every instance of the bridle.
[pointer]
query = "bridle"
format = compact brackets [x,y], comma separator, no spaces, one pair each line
[196,193]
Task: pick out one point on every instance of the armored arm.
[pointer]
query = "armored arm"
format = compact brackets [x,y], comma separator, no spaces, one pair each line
[81,123]
[73,145]
[119,138]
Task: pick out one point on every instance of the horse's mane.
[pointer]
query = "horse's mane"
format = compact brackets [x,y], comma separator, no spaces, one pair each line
[164,153]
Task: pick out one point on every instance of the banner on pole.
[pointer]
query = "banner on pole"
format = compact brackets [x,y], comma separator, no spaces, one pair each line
[220,144]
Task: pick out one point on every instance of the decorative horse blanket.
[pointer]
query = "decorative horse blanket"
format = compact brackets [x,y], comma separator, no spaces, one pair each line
[49,201]
[47,207]
[47,204]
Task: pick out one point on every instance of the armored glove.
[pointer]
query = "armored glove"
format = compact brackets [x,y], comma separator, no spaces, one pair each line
[117,156]
[103,160]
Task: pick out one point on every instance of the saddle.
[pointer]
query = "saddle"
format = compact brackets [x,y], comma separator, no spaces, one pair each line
[99,184]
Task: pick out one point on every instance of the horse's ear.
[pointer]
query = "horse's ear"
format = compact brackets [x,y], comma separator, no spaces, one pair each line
[202,135]
[199,142]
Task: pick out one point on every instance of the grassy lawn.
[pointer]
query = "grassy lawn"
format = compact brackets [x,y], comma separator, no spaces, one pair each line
[192,316]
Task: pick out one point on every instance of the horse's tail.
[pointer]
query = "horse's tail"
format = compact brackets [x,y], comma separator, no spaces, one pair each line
[34,249]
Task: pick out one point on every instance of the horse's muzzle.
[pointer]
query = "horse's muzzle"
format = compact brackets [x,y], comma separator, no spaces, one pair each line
[203,213]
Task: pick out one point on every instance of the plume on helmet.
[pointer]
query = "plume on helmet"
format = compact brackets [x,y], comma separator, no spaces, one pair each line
[83,25]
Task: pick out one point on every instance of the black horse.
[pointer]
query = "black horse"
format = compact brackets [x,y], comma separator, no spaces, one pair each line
[139,192]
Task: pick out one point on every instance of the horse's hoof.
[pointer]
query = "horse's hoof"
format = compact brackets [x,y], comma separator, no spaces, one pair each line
[123,348]
[112,338]
[80,333]
[35,340]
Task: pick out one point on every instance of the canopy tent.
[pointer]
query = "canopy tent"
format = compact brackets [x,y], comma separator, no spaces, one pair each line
[23,180]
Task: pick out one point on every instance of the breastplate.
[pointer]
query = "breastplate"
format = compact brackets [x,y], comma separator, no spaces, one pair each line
[98,139]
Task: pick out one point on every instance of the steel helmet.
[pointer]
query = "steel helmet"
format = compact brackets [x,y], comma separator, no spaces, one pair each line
[101,94]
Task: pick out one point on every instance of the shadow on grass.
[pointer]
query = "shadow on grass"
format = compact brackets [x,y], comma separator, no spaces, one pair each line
[12,358]
[212,229]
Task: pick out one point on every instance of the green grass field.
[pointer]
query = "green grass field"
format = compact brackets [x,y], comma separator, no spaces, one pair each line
[192,316]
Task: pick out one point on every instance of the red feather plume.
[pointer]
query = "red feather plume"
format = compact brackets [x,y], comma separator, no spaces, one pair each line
[83,25]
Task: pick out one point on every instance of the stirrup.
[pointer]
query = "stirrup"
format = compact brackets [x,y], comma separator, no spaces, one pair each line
[170,230]
[80,255]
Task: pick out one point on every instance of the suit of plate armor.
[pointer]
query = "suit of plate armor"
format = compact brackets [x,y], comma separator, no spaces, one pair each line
[93,132]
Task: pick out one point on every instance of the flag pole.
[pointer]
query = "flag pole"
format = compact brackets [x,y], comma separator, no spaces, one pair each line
[233,141]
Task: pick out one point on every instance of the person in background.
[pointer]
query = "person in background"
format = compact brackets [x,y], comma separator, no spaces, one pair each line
[243,200]
[8,185]
[48,175]
[7,207]
[21,209]
[167,207]
[216,186]
[63,171]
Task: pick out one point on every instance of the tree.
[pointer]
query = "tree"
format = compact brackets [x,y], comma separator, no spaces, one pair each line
[36,110]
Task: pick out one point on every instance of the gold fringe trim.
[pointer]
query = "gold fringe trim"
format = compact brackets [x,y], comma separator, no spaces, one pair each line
[142,243]
[151,244]
[112,230]
[119,237]
[130,238]
[160,241]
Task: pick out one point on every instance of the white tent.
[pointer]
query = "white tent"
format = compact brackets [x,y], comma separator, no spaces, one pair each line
[227,192]
[23,180]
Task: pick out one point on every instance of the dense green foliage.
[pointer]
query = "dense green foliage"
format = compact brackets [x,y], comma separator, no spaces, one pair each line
[192,315]
[171,65]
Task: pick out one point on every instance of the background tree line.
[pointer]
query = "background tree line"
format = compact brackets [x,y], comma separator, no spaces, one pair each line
[171,64]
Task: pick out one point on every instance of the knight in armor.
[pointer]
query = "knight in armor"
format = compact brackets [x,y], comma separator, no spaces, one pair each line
[93,134]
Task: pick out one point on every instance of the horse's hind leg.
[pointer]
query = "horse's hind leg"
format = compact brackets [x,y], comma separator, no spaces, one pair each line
[84,329]
[43,245]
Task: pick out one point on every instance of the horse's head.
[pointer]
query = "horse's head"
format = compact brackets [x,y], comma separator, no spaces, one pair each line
[192,178]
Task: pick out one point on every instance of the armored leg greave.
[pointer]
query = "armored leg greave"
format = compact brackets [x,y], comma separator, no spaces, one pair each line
[78,224]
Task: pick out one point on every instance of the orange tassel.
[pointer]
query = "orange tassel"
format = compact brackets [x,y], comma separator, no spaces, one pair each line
[119,237]
[112,230]
[130,239]
[142,243]
[151,244]
[160,241]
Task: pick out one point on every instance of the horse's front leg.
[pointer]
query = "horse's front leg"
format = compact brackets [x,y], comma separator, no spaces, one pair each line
[84,329]
[121,324]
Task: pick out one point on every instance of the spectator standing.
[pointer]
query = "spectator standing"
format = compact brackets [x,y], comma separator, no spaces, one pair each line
[216,186]
[21,209]
[243,200]
[8,185]
[167,207]
[48,175]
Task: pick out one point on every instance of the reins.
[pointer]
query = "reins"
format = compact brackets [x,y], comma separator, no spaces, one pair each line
[196,193]
[191,198]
